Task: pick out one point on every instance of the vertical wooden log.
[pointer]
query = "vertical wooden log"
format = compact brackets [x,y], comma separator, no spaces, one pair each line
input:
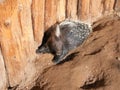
[96,9]
[38,7]
[17,40]
[6,39]
[90,10]
[84,9]
[61,10]
[50,13]
[3,73]
[72,6]
[117,5]
[109,5]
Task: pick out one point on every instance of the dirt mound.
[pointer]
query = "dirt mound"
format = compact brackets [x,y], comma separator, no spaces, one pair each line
[95,65]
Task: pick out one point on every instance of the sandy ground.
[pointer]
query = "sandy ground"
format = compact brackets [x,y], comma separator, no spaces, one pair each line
[95,65]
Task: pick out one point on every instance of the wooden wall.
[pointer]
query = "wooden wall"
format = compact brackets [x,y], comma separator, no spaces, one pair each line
[22,24]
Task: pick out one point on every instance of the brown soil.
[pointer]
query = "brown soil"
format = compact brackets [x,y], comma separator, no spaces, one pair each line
[95,65]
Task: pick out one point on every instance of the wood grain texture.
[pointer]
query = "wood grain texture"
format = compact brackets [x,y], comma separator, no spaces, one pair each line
[22,25]
[38,13]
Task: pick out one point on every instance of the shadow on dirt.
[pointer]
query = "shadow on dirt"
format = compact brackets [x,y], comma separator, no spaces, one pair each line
[69,58]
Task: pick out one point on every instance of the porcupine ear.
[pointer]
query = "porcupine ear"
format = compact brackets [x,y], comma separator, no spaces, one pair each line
[57,32]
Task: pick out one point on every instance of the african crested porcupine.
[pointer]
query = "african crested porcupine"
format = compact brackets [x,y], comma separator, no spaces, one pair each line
[63,37]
